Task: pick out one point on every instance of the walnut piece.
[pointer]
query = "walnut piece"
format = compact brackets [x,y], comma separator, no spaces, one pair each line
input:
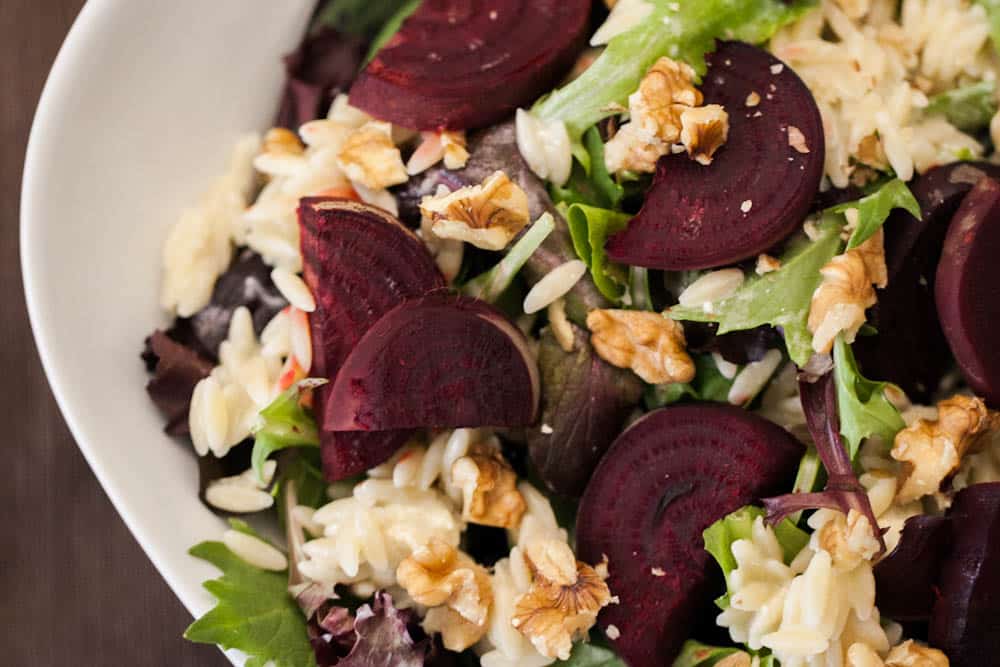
[440,576]
[848,539]
[652,345]
[488,215]
[839,303]
[912,654]
[456,155]
[282,141]
[767,264]
[489,489]
[656,112]
[931,449]
[563,600]
[369,157]
[703,131]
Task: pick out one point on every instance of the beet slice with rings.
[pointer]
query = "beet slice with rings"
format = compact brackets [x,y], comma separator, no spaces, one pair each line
[470,63]
[439,361]
[965,623]
[359,262]
[664,481]
[910,346]
[967,292]
[905,579]
[759,187]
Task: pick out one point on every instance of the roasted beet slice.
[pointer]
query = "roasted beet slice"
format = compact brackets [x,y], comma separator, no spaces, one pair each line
[966,619]
[440,361]
[967,292]
[463,64]
[664,480]
[905,579]
[359,262]
[758,188]
[910,347]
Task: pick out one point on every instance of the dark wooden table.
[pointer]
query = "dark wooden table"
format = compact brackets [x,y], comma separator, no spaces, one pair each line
[76,588]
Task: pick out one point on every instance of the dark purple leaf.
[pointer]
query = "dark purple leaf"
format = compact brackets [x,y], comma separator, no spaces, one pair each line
[843,491]
[176,370]
[383,639]
[324,64]
[905,579]
[737,347]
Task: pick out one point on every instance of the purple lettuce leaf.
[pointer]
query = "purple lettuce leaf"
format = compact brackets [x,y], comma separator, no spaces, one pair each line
[843,491]
[383,639]
[176,370]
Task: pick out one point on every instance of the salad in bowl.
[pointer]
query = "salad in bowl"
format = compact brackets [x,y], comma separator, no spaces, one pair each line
[641,333]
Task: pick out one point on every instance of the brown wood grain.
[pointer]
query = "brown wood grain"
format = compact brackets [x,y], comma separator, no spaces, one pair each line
[75,588]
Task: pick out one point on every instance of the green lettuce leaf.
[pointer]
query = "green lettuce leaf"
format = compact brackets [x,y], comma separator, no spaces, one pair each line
[360,17]
[780,298]
[590,228]
[591,655]
[254,612]
[681,29]
[708,385]
[874,209]
[696,654]
[590,183]
[489,285]
[864,409]
[993,11]
[969,108]
[390,23]
[284,423]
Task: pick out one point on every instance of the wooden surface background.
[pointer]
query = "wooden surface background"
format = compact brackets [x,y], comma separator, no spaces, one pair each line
[76,588]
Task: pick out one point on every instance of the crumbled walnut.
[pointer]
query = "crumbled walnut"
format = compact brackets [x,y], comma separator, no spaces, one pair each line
[634,150]
[369,157]
[872,251]
[439,575]
[797,140]
[457,633]
[839,303]
[703,131]
[766,264]
[563,601]
[489,489]
[871,153]
[488,216]
[912,654]
[652,345]
[848,539]
[931,450]
[456,155]
[738,659]
[281,141]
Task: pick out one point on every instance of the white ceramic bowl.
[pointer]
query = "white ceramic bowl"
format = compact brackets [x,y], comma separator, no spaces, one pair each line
[139,113]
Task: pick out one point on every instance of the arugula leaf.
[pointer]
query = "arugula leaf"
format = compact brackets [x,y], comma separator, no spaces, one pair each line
[874,209]
[284,423]
[590,183]
[719,538]
[590,228]
[864,409]
[780,298]
[591,655]
[390,24]
[490,285]
[359,17]
[969,108]
[708,385]
[992,8]
[696,654]
[681,29]
[254,614]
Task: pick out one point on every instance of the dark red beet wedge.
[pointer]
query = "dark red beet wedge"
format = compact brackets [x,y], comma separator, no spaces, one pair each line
[905,579]
[966,619]
[967,292]
[693,216]
[664,480]
[440,361]
[910,347]
[360,263]
[464,64]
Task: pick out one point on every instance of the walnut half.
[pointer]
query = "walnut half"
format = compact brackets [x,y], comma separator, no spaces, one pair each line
[456,587]
[650,344]
[488,215]
[489,490]
[563,600]
[930,450]
[703,131]
[369,157]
